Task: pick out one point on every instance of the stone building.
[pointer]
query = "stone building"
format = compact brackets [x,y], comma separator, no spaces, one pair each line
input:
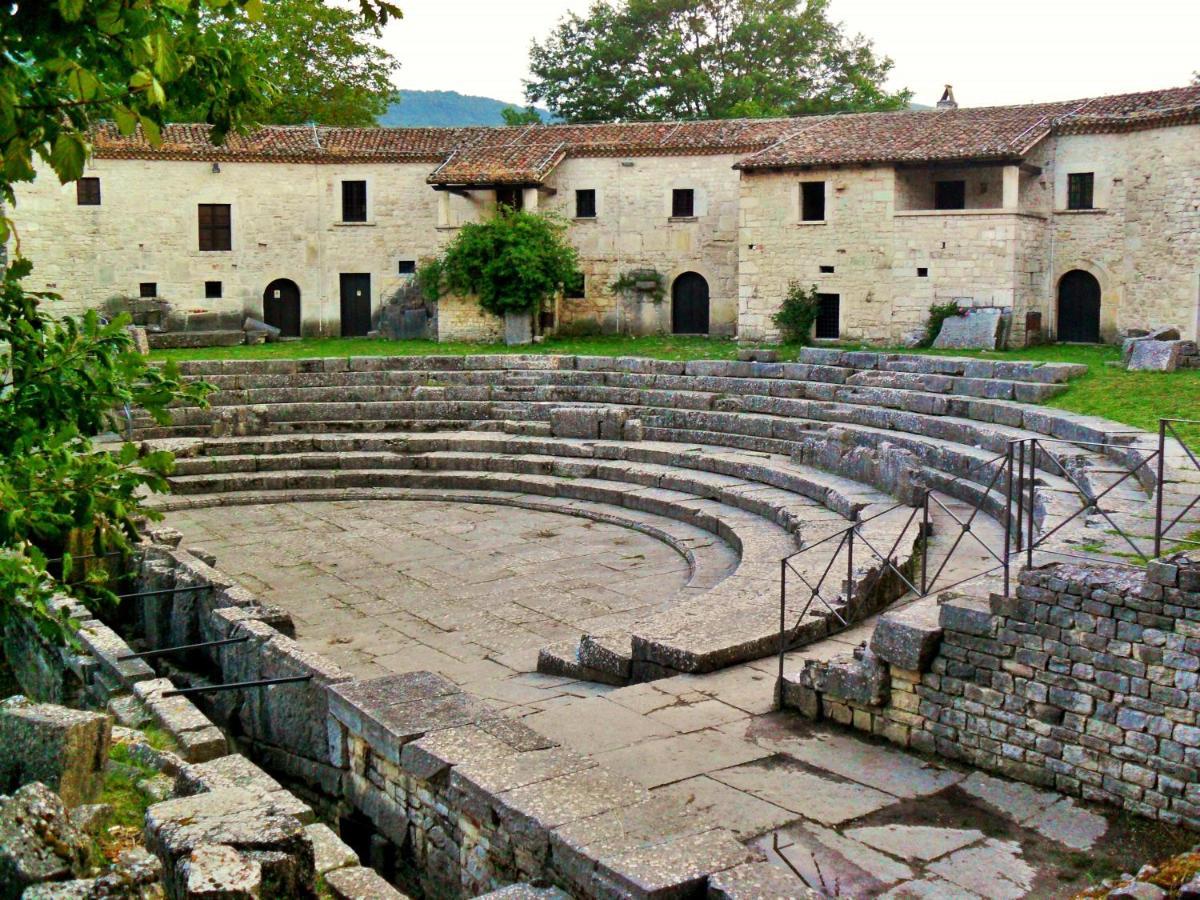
[1079,218]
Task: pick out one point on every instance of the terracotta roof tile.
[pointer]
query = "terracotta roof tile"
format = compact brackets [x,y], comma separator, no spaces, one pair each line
[527,154]
[981,133]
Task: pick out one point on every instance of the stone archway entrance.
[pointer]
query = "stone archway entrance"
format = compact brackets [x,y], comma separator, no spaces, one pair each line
[689,304]
[281,306]
[1079,308]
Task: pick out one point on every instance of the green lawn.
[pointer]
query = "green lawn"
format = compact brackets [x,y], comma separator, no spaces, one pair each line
[1135,398]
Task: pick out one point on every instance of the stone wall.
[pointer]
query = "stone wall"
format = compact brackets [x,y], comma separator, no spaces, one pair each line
[1087,681]
[1142,241]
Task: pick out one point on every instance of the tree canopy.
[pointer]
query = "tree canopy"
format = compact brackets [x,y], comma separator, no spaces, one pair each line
[64,66]
[320,61]
[687,59]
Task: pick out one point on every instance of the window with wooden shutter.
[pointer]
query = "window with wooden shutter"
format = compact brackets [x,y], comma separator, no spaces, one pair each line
[683,203]
[215,231]
[87,192]
[1080,190]
[354,201]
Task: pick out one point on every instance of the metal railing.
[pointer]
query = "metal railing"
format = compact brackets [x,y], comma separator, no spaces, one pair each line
[1014,474]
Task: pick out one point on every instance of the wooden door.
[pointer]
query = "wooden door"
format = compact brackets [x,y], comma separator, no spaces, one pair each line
[356,304]
[689,304]
[281,306]
[1079,308]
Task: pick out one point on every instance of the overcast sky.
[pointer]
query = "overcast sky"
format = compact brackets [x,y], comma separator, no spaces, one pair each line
[1014,51]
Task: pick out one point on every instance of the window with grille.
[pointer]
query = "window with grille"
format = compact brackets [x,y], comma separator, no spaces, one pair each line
[828,323]
[215,232]
[87,192]
[683,203]
[1080,190]
[354,201]
[585,204]
[949,195]
[812,201]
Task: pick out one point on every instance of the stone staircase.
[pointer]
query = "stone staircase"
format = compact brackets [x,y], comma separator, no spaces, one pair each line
[768,457]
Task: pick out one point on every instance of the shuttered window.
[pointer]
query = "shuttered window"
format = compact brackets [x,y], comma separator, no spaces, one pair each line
[87,192]
[683,203]
[215,231]
[1080,190]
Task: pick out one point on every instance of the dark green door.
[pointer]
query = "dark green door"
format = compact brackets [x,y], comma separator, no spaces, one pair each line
[356,304]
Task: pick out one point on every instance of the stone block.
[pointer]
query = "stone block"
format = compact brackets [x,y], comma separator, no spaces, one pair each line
[360,883]
[908,638]
[1154,356]
[968,616]
[575,422]
[65,749]
[977,329]
[861,679]
[238,819]
[330,852]
[38,841]
[216,871]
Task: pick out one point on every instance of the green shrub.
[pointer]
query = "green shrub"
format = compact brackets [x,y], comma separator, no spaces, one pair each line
[628,282]
[798,314]
[513,262]
[938,313]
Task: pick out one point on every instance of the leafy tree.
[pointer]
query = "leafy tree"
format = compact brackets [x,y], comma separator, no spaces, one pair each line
[320,60]
[656,59]
[65,65]
[798,313]
[526,116]
[513,262]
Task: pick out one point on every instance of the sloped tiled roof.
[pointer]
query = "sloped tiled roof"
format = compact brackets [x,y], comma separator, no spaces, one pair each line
[286,143]
[982,133]
[478,156]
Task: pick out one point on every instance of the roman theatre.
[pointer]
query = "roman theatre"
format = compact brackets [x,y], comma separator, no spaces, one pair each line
[566,620]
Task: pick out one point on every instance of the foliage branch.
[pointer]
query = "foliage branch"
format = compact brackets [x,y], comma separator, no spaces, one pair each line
[638,280]
[715,59]
[513,262]
[798,313]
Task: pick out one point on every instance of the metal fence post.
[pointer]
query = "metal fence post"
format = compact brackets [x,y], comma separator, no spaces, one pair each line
[1020,467]
[782,630]
[1008,513]
[925,544]
[1033,447]
[1160,486]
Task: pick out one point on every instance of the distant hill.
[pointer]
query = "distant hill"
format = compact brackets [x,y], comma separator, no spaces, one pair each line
[446,108]
[451,109]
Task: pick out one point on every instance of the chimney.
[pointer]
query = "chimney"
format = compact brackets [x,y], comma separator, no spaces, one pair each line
[947,101]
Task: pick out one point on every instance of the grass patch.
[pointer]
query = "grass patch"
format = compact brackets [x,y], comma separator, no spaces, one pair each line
[1138,399]
[121,828]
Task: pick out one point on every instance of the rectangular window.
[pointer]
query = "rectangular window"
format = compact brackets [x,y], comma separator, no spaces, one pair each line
[949,195]
[215,232]
[826,270]
[575,288]
[148,289]
[212,290]
[1080,190]
[683,203]
[354,201]
[408,267]
[512,197]
[828,324]
[922,272]
[585,204]
[812,201]
[87,192]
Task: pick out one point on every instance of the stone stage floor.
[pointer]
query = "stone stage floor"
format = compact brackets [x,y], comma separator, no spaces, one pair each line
[472,592]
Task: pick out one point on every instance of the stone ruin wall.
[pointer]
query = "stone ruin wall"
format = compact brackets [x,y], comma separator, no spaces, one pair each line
[1087,680]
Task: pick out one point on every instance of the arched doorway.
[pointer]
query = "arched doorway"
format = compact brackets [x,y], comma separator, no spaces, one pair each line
[689,304]
[281,306]
[1079,308]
